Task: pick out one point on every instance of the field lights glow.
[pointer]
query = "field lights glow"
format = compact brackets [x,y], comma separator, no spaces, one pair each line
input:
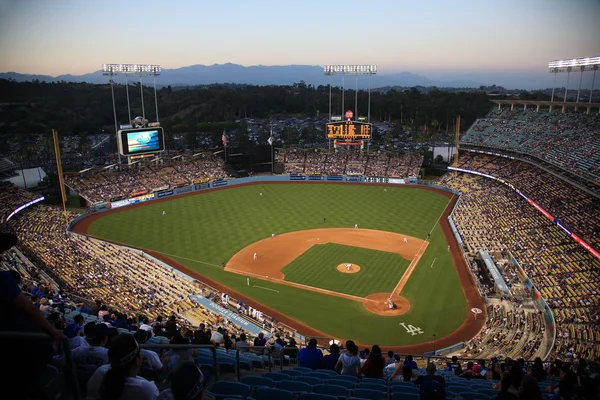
[587,62]
[350,69]
[133,69]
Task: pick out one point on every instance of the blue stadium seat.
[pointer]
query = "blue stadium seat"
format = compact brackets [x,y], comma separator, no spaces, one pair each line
[223,389]
[376,380]
[404,389]
[370,394]
[258,381]
[492,393]
[316,396]
[348,378]
[271,394]
[405,396]
[276,376]
[294,386]
[473,396]
[308,379]
[340,382]
[372,386]
[292,372]
[327,371]
[303,369]
[332,390]
[319,375]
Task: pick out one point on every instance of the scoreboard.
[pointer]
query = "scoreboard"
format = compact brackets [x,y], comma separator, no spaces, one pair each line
[349,130]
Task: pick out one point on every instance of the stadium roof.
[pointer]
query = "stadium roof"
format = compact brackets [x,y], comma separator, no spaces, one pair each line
[546,103]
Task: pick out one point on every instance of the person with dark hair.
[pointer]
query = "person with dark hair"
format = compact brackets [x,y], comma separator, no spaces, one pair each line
[187,383]
[119,379]
[566,388]
[511,381]
[432,386]
[373,367]
[410,362]
[349,362]
[310,356]
[242,345]
[453,365]
[529,389]
[390,358]
[537,370]
[331,359]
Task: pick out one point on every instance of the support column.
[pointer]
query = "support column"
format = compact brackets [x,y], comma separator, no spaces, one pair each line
[537,108]
[552,99]
[142,95]
[567,87]
[593,79]
[512,107]
[524,107]
[580,79]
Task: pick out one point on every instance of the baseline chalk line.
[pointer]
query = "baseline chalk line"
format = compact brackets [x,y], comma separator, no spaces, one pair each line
[266,288]
[433,262]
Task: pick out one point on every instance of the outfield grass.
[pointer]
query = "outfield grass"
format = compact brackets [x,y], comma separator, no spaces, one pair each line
[380,271]
[205,230]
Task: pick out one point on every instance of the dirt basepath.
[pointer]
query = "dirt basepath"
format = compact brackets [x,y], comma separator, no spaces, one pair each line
[466,331]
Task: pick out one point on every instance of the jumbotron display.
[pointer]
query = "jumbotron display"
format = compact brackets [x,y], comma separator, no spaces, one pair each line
[349,130]
[133,142]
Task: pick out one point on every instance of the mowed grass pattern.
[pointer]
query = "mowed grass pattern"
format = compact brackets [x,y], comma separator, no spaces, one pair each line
[380,271]
[206,229]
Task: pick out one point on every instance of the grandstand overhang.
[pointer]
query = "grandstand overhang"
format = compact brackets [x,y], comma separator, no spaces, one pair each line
[549,104]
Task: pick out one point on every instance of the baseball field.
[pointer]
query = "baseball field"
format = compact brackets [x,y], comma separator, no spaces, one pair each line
[323,258]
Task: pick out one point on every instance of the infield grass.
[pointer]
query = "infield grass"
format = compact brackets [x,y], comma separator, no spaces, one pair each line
[205,230]
[380,271]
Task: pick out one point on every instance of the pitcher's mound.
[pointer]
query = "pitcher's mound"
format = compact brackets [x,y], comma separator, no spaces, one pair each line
[378,304]
[348,268]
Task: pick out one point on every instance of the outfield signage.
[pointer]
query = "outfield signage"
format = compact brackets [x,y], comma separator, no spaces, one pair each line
[397,181]
[120,203]
[315,178]
[185,189]
[230,315]
[354,178]
[335,178]
[297,178]
[219,183]
[201,186]
[164,193]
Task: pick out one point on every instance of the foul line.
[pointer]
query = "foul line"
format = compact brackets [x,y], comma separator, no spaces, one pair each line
[294,284]
[190,259]
[433,262]
[266,288]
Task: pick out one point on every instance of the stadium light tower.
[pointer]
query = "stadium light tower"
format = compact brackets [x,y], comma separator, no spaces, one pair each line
[127,70]
[574,64]
[355,70]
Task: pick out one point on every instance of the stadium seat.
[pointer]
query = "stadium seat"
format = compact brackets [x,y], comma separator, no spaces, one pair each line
[372,386]
[303,369]
[370,394]
[316,396]
[348,378]
[376,380]
[258,381]
[270,394]
[276,376]
[308,379]
[404,389]
[405,396]
[294,386]
[292,372]
[492,393]
[319,375]
[223,389]
[327,371]
[332,390]
[474,396]
[340,382]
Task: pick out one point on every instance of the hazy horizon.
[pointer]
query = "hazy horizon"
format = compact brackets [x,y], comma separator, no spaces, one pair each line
[434,37]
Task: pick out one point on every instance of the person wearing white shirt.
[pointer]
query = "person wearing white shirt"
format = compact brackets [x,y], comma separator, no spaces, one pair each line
[150,359]
[119,380]
[217,337]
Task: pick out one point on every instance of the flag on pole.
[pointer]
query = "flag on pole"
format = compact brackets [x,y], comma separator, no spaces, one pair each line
[270,139]
[224,139]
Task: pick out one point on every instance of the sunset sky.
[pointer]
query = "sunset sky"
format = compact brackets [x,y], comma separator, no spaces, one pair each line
[428,36]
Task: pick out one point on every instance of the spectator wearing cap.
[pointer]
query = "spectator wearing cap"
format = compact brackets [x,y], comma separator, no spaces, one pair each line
[432,386]
[119,380]
[18,313]
[150,359]
[187,383]
[310,356]
[73,331]
[91,357]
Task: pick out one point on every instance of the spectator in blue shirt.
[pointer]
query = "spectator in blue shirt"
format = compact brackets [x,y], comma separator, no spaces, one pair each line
[310,356]
[331,359]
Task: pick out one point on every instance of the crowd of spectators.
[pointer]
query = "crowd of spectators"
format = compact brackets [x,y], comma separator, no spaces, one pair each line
[342,162]
[12,197]
[121,181]
[493,217]
[568,140]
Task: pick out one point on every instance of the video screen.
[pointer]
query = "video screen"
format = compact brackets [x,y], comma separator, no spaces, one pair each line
[139,142]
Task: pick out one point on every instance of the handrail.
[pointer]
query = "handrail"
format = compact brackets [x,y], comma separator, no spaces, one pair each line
[69,363]
[187,346]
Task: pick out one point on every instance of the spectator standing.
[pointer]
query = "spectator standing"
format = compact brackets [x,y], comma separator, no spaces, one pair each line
[432,386]
[310,356]
[331,359]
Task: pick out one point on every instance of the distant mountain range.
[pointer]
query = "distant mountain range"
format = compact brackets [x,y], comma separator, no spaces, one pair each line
[310,74]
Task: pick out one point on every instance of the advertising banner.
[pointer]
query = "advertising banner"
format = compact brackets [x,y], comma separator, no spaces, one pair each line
[397,181]
[164,193]
[230,315]
[183,190]
[201,186]
[335,178]
[354,178]
[141,199]
[219,183]
[297,178]
[315,178]
[120,203]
